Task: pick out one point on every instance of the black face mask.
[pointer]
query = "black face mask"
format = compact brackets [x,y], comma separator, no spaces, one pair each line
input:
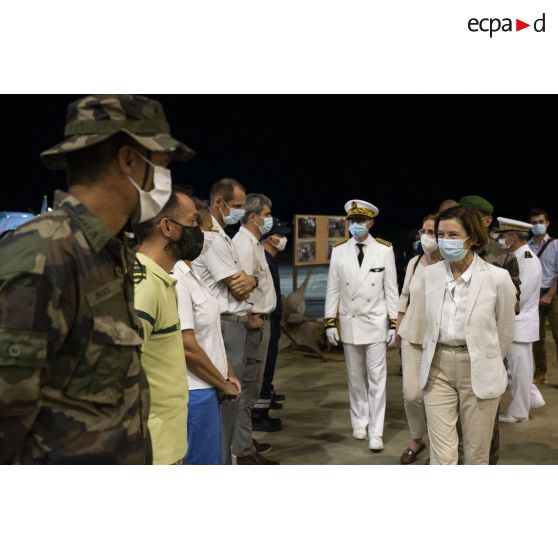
[190,245]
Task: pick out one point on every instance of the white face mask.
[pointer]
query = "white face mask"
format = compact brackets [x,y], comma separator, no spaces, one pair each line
[282,243]
[429,243]
[152,202]
[209,238]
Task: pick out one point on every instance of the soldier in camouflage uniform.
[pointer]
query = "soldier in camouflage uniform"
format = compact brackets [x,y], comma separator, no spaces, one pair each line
[494,253]
[72,389]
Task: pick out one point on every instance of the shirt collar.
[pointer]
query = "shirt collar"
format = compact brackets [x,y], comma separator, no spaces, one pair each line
[217,227]
[466,276]
[94,230]
[156,269]
[250,234]
[366,242]
[182,266]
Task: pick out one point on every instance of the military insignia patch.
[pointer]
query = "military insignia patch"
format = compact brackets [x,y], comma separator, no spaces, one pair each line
[528,255]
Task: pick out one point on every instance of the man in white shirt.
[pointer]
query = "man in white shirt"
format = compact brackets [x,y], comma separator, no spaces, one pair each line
[362,290]
[546,248]
[514,235]
[256,222]
[220,269]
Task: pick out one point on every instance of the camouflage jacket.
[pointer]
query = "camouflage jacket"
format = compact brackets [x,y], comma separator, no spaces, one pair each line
[72,389]
[494,253]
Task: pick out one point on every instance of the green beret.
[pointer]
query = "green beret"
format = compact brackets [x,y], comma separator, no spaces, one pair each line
[478,203]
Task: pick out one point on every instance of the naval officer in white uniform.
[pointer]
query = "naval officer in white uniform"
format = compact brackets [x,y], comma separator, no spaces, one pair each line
[361,311]
[525,396]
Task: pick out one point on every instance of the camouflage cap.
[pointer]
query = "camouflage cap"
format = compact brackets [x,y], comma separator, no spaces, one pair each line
[478,203]
[95,118]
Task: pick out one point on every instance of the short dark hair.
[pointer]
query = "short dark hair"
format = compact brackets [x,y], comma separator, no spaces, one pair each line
[202,208]
[538,211]
[91,163]
[225,187]
[145,230]
[255,204]
[470,220]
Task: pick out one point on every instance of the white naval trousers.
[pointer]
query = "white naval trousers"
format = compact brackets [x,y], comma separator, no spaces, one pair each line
[520,376]
[367,371]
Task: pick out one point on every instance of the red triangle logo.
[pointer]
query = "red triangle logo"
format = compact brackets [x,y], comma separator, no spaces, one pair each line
[519,25]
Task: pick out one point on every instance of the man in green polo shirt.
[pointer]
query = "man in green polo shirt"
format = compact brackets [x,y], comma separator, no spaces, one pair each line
[172,235]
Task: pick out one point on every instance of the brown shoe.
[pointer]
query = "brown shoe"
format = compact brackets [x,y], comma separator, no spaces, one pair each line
[540,378]
[261,447]
[410,456]
[255,459]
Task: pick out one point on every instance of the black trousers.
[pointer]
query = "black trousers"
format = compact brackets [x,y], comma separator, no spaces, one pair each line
[261,410]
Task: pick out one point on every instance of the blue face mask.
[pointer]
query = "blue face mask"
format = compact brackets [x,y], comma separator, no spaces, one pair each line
[539,229]
[358,229]
[452,250]
[234,216]
[267,226]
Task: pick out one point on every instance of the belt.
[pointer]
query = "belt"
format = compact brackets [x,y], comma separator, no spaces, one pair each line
[234,318]
[452,347]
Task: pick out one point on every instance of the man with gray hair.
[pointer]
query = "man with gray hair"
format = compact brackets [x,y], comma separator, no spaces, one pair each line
[256,222]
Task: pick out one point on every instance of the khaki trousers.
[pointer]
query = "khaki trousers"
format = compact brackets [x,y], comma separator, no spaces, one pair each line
[447,395]
[411,356]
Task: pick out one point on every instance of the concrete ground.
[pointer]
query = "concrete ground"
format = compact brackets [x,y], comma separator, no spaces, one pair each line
[317,429]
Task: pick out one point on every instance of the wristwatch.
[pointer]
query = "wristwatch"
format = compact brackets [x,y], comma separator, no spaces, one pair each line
[257,281]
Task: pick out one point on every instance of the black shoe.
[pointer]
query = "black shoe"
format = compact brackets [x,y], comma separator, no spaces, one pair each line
[268,424]
[276,406]
[255,459]
[261,447]
[278,397]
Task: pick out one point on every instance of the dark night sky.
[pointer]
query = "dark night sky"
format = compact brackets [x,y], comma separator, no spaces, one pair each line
[311,154]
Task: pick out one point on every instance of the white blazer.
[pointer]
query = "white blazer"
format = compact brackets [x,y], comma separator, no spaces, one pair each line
[365,296]
[489,324]
[530,273]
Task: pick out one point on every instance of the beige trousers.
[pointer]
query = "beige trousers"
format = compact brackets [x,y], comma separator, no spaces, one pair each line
[447,395]
[411,356]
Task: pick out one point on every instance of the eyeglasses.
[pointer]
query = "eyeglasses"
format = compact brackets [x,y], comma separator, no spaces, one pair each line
[429,232]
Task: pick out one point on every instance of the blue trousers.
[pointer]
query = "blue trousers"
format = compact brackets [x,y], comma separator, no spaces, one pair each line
[204,428]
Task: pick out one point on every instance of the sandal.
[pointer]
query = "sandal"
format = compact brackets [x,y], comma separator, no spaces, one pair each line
[410,456]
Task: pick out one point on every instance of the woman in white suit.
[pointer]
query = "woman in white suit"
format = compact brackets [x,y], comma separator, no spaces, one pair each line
[470,316]
[410,334]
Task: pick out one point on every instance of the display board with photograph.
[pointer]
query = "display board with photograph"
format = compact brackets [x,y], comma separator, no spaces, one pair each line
[315,237]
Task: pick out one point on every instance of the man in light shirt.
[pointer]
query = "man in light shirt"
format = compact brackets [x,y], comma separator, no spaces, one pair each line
[546,248]
[256,222]
[210,377]
[221,270]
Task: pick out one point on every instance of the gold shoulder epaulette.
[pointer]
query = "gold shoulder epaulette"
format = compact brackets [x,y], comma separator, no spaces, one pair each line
[214,228]
[384,242]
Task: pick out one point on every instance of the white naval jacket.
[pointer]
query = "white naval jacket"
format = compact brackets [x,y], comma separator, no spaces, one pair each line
[530,273]
[489,324]
[365,297]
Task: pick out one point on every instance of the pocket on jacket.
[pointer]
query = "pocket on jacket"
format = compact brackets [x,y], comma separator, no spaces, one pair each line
[100,372]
